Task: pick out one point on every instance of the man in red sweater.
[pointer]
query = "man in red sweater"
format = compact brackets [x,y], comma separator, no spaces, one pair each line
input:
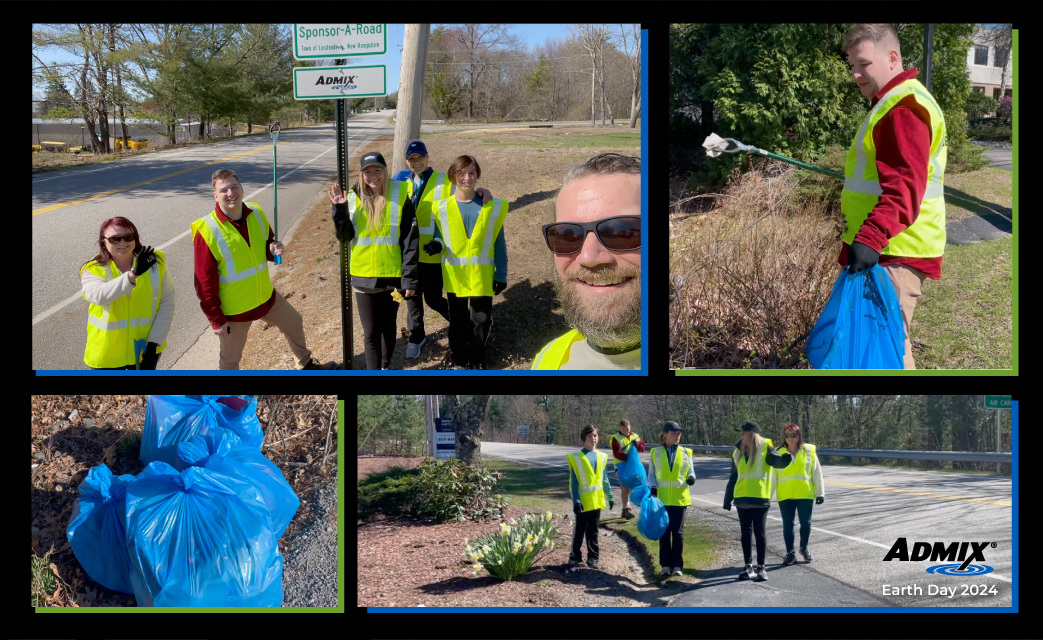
[893,206]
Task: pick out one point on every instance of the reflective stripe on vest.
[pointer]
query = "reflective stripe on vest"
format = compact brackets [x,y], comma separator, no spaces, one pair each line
[376,254]
[795,480]
[591,492]
[113,328]
[468,264]
[925,238]
[623,442]
[437,188]
[753,479]
[243,282]
[556,353]
[672,488]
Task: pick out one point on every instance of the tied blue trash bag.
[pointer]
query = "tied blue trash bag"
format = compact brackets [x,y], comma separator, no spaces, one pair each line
[861,326]
[638,495]
[654,519]
[221,451]
[171,420]
[97,530]
[632,470]
[200,538]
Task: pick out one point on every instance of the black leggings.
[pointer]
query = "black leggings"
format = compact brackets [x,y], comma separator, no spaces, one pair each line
[752,519]
[378,312]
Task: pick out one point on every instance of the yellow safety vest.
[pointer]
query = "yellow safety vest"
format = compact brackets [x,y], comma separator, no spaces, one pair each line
[672,488]
[925,238]
[623,442]
[556,353]
[591,493]
[376,254]
[437,188]
[754,480]
[243,282]
[468,264]
[795,480]
[113,328]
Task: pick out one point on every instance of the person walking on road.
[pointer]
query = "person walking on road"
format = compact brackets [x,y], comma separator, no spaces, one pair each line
[622,442]
[589,488]
[796,486]
[671,475]
[750,488]
[131,298]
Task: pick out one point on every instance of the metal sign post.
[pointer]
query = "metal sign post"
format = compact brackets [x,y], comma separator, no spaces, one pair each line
[346,325]
[274,130]
[998,402]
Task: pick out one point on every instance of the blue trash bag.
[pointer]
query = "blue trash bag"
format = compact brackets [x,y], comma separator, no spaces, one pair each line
[632,470]
[97,529]
[171,420]
[861,326]
[638,495]
[221,452]
[654,519]
[200,538]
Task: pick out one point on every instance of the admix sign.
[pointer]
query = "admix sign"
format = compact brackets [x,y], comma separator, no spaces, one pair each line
[321,41]
[323,83]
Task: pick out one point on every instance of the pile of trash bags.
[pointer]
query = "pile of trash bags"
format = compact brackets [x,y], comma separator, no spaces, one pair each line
[200,525]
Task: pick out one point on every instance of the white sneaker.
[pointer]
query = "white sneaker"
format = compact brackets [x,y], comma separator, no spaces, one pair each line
[666,571]
[413,350]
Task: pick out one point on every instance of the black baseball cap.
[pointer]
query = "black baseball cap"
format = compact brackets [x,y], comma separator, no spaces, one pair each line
[750,426]
[373,159]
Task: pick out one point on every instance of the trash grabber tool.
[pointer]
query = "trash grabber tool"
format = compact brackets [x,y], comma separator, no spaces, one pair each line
[274,130]
[716,145]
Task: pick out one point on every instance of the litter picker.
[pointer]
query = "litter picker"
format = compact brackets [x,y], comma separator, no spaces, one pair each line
[274,130]
[716,145]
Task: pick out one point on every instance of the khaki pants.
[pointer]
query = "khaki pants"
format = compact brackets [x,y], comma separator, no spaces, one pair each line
[281,315]
[907,282]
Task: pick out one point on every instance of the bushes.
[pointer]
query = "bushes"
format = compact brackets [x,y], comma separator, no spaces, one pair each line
[511,551]
[440,490]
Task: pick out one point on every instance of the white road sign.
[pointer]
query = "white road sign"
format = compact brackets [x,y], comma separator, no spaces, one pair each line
[323,83]
[313,41]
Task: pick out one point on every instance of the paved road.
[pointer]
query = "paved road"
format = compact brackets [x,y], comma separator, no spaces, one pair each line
[866,510]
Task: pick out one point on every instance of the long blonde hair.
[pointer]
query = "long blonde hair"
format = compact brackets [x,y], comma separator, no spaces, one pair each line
[751,444]
[373,202]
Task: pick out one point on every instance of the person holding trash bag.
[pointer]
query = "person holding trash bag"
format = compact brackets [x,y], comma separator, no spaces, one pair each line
[672,472]
[377,216]
[892,202]
[131,303]
[233,245]
[750,488]
[621,444]
[589,487]
[796,486]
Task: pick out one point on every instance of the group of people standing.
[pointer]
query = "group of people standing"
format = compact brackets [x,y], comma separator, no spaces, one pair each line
[792,473]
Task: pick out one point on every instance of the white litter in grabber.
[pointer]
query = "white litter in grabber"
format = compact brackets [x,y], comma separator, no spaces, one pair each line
[715,145]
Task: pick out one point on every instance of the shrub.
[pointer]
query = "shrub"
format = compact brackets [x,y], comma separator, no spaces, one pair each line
[454,490]
[392,493]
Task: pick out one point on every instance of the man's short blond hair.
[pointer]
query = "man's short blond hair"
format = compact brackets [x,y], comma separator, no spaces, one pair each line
[880,34]
[222,174]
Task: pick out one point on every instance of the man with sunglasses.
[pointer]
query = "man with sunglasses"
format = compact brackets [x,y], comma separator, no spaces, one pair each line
[596,242]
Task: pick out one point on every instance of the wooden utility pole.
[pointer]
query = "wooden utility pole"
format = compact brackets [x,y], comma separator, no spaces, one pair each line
[410,91]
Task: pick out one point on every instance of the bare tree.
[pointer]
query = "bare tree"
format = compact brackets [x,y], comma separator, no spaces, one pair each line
[634,63]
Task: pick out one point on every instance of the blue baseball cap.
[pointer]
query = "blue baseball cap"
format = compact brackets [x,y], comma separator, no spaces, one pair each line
[415,147]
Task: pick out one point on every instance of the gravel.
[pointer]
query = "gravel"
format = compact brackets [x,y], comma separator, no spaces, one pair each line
[310,564]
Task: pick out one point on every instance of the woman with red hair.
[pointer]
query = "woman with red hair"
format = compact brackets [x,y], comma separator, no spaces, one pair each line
[796,486]
[132,300]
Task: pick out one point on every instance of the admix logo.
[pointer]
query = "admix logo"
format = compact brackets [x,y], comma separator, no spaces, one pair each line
[964,552]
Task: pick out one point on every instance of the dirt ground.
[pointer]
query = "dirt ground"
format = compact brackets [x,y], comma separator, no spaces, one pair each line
[523,167]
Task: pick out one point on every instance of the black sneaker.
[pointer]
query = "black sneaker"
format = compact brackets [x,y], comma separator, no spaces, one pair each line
[807,555]
[315,364]
[789,559]
[592,563]
[759,574]
[747,574]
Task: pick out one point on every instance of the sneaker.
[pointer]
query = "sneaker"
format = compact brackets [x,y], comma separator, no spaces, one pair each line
[789,559]
[666,571]
[759,574]
[575,562]
[413,350]
[628,514]
[677,571]
[592,563]
[747,574]
[807,555]
[315,364]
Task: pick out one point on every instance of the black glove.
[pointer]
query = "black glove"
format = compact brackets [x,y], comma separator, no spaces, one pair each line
[860,257]
[690,480]
[728,506]
[145,259]
[654,489]
[150,358]
[498,287]
[433,248]
[577,508]
[819,500]
[611,505]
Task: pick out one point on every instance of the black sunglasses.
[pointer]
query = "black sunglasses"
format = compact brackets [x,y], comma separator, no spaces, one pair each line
[618,233]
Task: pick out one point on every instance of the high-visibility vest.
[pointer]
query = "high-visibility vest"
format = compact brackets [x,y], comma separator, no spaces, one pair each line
[795,480]
[754,474]
[243,282]
[468,264]
[556,353]
[437,188]
[672,488]
[623,443]
[925,238]
[113,328]
[376,254]
[591,493]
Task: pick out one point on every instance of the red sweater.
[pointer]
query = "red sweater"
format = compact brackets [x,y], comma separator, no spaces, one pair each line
[903,151]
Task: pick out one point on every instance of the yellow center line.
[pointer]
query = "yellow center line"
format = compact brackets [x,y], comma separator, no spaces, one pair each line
[138,184]
[943,496]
